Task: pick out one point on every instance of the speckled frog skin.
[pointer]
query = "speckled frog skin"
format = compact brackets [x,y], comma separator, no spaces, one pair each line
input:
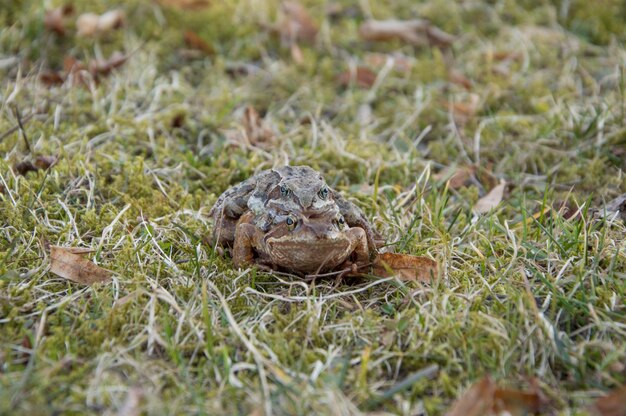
[277,196]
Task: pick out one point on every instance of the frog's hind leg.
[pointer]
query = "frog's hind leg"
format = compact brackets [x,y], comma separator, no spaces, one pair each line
[224,232]
[359,245]
[246,234]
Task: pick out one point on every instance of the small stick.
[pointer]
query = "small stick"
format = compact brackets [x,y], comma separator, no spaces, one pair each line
[21,127]
[15,128]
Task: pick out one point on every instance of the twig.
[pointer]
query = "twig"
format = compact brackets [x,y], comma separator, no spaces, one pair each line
[21,127]
[15,128]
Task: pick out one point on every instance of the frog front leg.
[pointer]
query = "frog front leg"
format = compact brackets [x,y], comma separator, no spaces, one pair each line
[247,236]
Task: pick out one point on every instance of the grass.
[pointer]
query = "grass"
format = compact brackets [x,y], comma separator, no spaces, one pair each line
[179,331]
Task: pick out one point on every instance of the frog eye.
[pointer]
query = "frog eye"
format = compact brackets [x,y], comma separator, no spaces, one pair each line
[291,222]
[323,193]
[341,220]
[284,191]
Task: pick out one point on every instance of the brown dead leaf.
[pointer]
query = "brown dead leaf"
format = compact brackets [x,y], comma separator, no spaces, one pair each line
[361,76]
[71,64]
[91,24]
[401,63]
[491,200]
[45,162]
[54,20]
[417,32]
[405,266]
[192,40]
[258,132]
[506,56]
[484,398]
[297,24]
[186,4]
[612,405]
[456,77]
[463,111]
[50,78]
[459,177]
[104,67]
[68,263]
[24,167]
[614,208]
[476,401]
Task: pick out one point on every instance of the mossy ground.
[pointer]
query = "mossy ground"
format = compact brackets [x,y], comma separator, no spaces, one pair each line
[520,296]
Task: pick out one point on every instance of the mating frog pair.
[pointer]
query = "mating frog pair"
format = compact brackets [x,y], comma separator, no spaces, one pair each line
[288,218]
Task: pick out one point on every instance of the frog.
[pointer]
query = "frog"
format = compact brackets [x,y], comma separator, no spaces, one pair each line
[304,242]
[290,198]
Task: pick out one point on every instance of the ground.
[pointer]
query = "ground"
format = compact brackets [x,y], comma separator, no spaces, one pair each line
[529,92]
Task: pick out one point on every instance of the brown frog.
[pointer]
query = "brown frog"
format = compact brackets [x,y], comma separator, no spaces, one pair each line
[305,242]
[293,207]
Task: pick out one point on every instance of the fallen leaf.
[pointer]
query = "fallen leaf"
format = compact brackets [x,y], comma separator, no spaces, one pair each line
[296,23]
[104,67]
[54,20]
[458,78]
[616,208]
[456,177]
[361,76]
[400,62]
[257,130]
[491,200]
[612,405]
[506,56]
[519,402]
[192,40]
[68,263]
[417,32]
[87,24]
[50,78]
[186,4]
[24,167]
[463,111]
[476,401]
[71,64]
[45,162]
[91,24]
[405,267]
[484,398]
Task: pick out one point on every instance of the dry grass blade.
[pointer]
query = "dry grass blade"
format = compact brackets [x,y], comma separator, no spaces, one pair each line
[258,133]
[68,263]
[612,405]
[417,32]
[405,267]
[491,200]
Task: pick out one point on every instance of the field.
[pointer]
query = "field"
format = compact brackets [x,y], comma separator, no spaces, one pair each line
[120,140]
